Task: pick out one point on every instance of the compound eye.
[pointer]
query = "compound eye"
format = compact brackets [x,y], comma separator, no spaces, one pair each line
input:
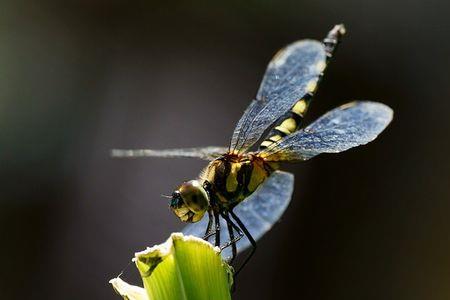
[195,196]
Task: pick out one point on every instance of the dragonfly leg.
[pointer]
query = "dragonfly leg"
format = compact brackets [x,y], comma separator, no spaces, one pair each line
[232,242]
[217,231]
[233,239]
[250,238]
[209,232]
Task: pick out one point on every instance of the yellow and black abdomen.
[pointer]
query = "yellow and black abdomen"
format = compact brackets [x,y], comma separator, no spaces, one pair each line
[291,121]
[233,180]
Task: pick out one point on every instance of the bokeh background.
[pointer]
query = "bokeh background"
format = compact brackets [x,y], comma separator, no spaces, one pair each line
[78,78]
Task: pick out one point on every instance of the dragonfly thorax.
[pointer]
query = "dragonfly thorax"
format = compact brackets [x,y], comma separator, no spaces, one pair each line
[234,177]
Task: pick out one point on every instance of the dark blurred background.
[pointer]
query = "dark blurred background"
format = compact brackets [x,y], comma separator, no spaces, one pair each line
[78,78]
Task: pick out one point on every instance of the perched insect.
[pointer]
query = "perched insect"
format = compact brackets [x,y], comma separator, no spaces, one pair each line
[242,190]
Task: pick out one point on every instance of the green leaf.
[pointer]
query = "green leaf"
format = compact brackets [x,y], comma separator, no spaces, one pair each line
[128,291]
[184,267]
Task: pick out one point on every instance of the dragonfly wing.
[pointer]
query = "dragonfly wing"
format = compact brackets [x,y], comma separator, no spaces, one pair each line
[259,212]
[345,127]
[206,153]
[291,74]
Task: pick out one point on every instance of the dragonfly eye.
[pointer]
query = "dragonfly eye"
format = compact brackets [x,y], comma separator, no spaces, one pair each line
[190,201]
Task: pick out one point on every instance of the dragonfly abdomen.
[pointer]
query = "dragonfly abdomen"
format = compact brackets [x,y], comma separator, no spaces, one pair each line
[292,120]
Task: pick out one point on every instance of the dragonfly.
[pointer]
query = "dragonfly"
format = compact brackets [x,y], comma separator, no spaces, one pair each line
[242,189]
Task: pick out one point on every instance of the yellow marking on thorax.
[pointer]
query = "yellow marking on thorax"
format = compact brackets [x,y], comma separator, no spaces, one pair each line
[209,172]
[257,177]
[299,107]
[232,182]
[222,199]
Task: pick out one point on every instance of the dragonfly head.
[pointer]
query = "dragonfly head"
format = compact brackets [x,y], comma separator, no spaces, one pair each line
[190,201]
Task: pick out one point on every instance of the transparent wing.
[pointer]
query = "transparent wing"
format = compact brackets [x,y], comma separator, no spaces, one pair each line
[345,127]
[290,75]
[206,153]
[259,212]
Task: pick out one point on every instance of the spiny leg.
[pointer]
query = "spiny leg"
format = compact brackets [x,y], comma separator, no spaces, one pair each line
[233,239]
[250,238]
[232,242]
[217,231]
[209,232]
